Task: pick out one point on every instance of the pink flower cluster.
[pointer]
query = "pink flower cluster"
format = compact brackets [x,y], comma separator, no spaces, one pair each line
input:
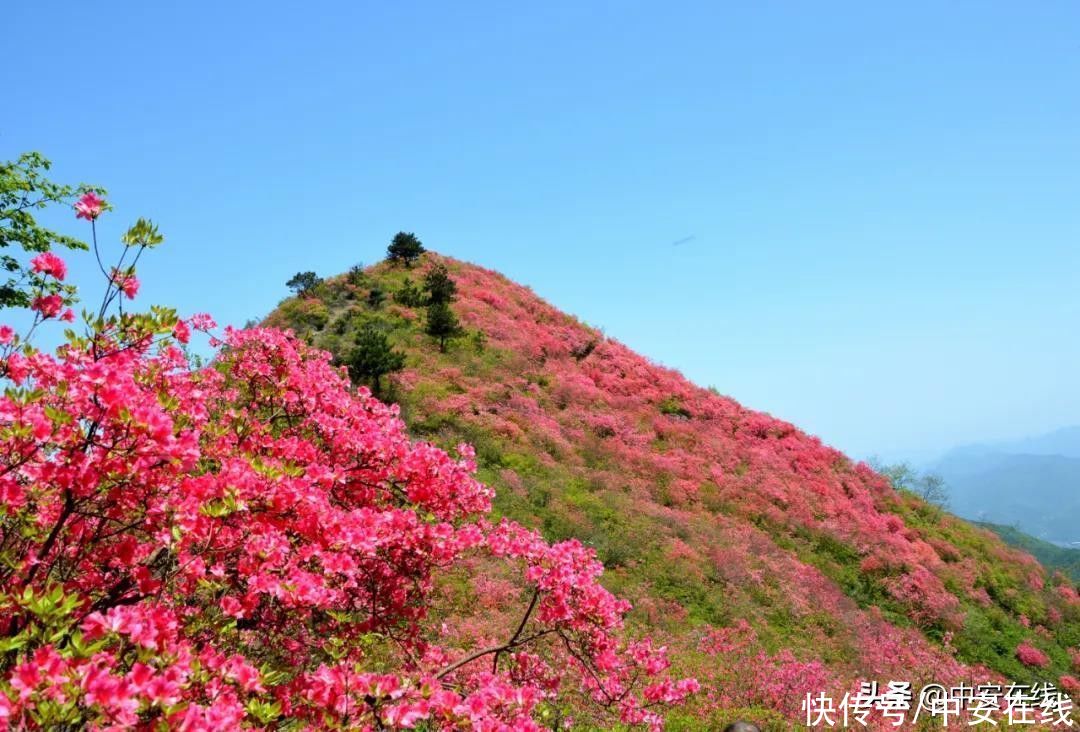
[89,206]
[49,264]
[126,282]
[255,541]
[1032,656]
[747,676]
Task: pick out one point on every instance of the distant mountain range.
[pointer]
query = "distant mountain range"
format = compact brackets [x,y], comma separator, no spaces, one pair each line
[1032,484]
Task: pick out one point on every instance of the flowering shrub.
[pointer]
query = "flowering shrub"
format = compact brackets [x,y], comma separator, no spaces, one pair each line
[1031,656]
[24,189]
[746,676]
[255,541]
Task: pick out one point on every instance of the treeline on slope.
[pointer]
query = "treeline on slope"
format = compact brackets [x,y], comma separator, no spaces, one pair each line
[704,512]
[372,355]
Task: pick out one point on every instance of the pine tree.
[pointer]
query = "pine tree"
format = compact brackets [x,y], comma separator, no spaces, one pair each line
[373,357]
[442,324]
[304,283]
[439,286]
[405,248]
[409,295]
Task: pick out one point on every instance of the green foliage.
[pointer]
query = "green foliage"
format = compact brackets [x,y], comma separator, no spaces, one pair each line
[439,286]
[144,233]
[990,637]
[340,326]
[304,283]
[442,324]
[404,248]
[304,314]
[672,407]
[1050,555]
[409,295]
[355,275]
[372,357]
[24,189]
[840,563]
[375,298]
[479,340]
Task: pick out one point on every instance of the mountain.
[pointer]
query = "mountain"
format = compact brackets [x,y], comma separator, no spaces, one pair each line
[771,564]
[1032,483]
[1064,442]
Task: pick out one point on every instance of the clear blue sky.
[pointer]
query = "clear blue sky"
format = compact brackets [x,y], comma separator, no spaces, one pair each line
[884,198]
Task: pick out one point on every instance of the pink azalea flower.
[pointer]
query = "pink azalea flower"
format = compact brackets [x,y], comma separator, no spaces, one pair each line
[48,305]
[89,207]
[291,544]
[231,606]
[130,286]
[127,283]
[7,334]
[1031,656]
[182,332]
[50,264]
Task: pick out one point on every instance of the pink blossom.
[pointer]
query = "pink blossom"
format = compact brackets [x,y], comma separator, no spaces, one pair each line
[48,305]
[289,528]
[231,606]
[126,282]
[50,264]
[1032,656]
[7,334]
[89,207]
[130,286]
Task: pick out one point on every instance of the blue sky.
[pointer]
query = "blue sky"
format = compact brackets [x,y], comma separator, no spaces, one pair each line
[884,200]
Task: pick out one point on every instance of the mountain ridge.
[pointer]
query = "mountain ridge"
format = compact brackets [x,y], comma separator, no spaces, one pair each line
[1064,441]
[735,535]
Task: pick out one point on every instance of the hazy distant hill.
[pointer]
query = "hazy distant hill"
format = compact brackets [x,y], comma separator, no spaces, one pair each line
[1032,483]
[1064,442]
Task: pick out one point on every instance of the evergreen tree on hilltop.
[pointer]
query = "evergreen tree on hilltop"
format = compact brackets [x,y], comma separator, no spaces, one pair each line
[373,357]
[304,283]
[405,248]
[442,324]
[439,286]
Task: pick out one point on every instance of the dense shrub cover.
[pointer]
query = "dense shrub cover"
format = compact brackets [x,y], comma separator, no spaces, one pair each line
[706,513]
[256,543]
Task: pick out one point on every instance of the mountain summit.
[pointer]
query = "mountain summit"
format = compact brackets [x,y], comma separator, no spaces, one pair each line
[771,564]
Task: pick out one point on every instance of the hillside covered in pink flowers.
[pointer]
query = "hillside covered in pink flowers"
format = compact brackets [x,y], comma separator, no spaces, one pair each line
[769,563]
